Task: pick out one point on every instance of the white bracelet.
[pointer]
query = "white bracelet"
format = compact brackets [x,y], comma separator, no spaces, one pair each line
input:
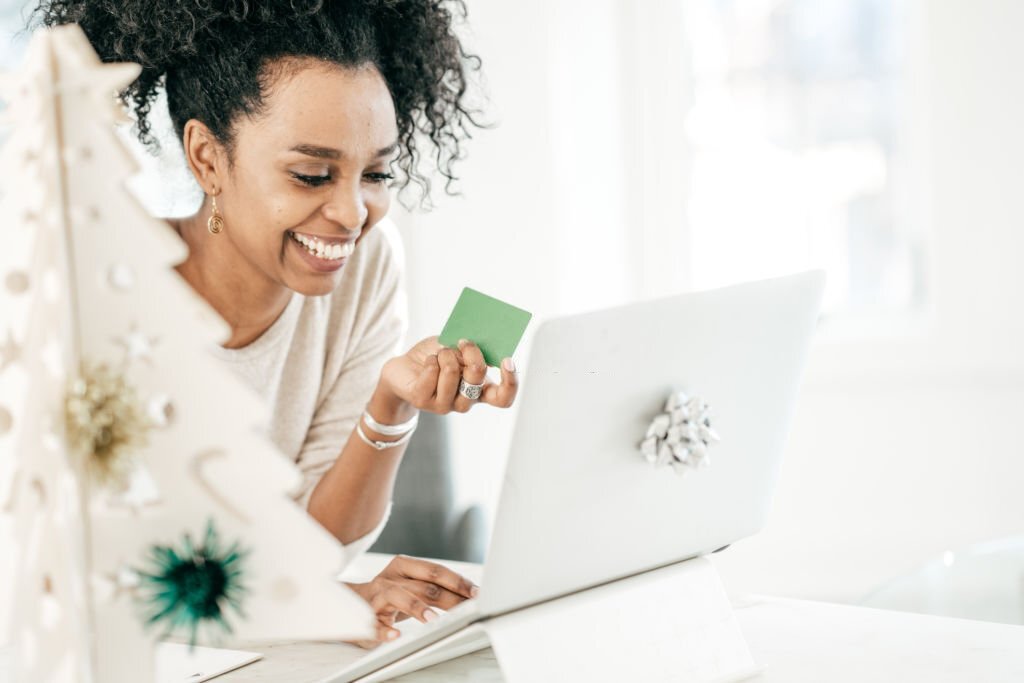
[390,430]
[382,445]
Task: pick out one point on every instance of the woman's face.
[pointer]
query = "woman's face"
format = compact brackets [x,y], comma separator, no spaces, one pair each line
[310,174]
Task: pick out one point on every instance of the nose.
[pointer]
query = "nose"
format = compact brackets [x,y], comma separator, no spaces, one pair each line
[347,207]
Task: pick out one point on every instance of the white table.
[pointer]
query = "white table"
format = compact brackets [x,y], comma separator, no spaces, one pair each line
[795,640]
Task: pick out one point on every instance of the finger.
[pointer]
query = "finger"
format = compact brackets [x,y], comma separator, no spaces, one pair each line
[426,383]
[365,644]
[426,347]
[434,595]
[475,367]
[474,371]
[431,572]
[384,633]
[448,381]
[503,395]
[398,598]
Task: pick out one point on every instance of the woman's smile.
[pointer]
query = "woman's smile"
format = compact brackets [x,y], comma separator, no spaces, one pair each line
[322,254]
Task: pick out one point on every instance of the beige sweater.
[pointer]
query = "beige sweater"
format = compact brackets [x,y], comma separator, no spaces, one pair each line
[318,364]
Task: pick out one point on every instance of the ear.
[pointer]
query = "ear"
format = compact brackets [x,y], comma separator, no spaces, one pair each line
[205,155]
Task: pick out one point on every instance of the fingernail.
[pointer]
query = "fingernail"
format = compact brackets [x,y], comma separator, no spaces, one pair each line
[429,615]
[463,342]
[392,634]
[509,364]
[474,591]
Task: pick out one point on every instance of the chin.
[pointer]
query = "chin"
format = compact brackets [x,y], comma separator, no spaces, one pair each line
[320,286]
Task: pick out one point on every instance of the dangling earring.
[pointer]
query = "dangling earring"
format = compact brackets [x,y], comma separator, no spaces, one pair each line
[216,222]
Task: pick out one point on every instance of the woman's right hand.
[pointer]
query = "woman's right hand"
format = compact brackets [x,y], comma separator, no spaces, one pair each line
[411,587]
[427,377]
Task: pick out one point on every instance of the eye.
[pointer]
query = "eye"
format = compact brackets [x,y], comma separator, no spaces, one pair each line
[379,177]
[311,180]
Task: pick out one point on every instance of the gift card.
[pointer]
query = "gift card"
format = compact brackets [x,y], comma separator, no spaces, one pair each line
[493,325]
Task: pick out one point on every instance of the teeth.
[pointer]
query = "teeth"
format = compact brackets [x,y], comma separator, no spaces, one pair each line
[320,249]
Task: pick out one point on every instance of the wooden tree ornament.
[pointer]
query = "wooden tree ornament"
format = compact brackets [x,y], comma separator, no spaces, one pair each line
[107,377]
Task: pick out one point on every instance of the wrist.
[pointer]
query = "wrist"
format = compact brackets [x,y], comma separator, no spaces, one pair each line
[360,589]
[387,408]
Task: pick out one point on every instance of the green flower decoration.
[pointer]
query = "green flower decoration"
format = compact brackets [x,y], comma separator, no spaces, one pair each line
[193,586]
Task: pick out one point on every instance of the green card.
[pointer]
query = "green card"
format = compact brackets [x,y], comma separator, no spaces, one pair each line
[493,325]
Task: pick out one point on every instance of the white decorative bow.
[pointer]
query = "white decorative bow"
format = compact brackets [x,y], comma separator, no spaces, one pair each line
[681,435]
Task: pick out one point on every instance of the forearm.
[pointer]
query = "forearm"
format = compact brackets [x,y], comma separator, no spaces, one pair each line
[351,498]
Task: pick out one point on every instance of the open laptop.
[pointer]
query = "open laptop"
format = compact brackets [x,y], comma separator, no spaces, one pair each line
[580,506]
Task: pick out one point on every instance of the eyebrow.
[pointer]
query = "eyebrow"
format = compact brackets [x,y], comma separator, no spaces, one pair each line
[331,153]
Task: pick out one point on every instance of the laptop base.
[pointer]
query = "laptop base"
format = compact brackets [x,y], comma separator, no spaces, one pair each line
[673,623]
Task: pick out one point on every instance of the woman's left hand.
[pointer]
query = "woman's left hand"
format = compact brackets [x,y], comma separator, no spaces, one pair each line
[427,377]
[411,587]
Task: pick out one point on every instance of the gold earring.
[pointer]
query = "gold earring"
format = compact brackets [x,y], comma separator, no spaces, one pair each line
[216,222]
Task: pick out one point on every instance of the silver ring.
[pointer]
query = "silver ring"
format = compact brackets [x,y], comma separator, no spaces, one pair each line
[470,391]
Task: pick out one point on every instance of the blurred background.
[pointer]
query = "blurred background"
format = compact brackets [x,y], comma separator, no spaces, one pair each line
[645,148]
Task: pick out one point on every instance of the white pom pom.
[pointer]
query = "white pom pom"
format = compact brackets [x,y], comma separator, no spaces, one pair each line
[681,435]
[659,427]
[649,448]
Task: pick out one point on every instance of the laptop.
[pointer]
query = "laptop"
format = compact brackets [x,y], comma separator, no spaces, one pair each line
[580,505]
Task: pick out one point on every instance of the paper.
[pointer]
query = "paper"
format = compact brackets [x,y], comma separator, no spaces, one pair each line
[668,624]
[493,325]
[175,663]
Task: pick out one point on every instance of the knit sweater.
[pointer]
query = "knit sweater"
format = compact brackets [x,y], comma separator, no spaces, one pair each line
[318,363]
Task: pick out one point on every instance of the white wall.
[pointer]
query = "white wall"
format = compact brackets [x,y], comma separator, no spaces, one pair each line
[543,222]
[905,448]
[904,445]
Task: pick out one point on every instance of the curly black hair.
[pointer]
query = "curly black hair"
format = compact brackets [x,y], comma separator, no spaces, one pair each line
[213,57]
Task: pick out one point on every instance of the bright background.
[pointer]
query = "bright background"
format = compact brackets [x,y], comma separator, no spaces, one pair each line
[646,148]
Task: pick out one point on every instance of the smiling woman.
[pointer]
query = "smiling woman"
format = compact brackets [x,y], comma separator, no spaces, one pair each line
[292,117]
[307,177]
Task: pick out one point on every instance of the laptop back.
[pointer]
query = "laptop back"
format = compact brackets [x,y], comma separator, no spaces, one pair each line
[580,505]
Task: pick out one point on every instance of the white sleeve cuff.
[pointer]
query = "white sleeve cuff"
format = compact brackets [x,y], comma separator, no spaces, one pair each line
[359,546]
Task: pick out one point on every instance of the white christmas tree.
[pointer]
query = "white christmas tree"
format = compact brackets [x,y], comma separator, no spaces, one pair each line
[105,376]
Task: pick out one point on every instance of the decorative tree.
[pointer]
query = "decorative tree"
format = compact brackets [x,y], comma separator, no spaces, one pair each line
[106,379]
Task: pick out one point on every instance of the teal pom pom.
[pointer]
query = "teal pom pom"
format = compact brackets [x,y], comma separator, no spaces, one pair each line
[188,587]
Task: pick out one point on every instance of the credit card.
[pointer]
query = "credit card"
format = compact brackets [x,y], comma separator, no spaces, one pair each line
[493,325]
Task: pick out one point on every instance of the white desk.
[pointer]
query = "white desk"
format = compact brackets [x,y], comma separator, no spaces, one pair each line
[795,640]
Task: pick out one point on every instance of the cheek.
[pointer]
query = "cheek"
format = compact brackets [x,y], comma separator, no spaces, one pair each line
[269,218]
[275,214]
[377,205]
[273,204]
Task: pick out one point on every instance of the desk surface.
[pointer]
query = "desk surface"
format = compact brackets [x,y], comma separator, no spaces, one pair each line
[795,640]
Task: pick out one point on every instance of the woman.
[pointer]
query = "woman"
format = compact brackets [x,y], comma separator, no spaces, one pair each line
[291,116]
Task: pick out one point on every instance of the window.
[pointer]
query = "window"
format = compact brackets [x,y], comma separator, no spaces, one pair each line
[799,152]
[12,24]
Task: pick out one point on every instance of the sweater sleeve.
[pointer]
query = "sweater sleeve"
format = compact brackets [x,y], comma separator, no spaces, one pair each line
[378,334]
